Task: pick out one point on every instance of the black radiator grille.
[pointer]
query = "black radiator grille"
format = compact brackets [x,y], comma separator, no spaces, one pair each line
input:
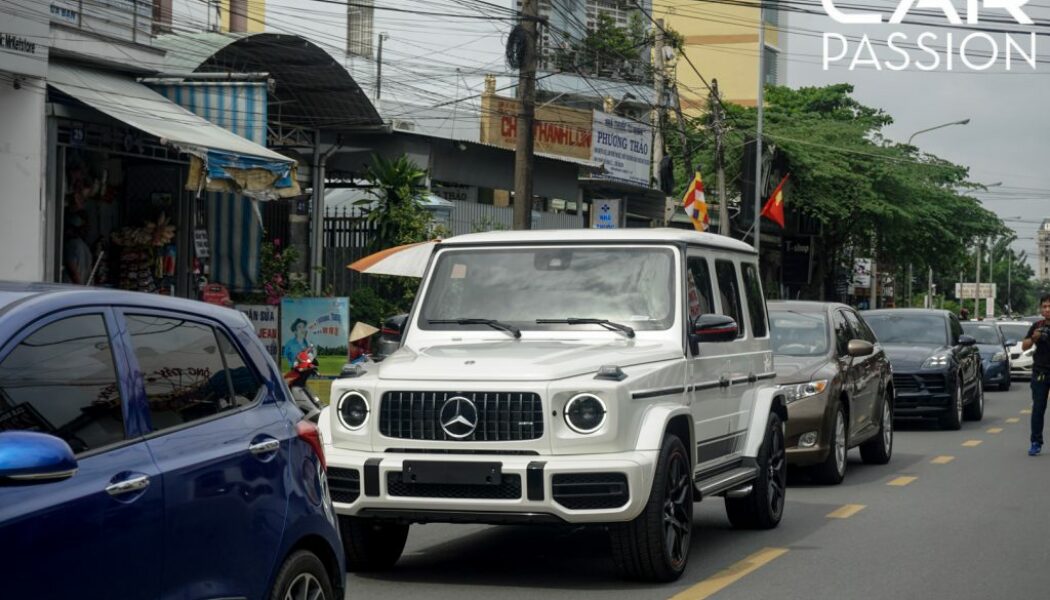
[934,383]
[344,484]
[500,416]
[508,489]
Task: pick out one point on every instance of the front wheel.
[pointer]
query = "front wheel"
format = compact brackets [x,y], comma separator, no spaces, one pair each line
[302,576]
[879,449]
[833,470]
[655,545]
[764,506]
[952,419]
[371,545]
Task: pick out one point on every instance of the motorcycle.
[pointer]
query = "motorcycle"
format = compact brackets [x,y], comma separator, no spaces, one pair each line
[305,366]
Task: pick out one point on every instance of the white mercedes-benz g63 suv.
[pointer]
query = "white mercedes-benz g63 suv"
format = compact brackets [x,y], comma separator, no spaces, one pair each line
[579,377]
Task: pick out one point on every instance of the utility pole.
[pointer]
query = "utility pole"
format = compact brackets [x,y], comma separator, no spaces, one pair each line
[723,204]
[758,134]
[690,166]
[977,292]
[379,66]
[874,277]
[929,288]
[523,157]
[909,285]
[659,85]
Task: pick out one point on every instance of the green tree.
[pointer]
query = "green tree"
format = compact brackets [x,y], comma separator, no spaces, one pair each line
[396,210]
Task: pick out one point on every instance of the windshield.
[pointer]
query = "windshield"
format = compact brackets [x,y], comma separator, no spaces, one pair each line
[799,334]
[1014,331]
[924,330]
[629,285]
[984,334]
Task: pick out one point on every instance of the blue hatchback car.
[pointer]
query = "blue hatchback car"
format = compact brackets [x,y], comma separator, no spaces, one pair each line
[150,449]
[995,353]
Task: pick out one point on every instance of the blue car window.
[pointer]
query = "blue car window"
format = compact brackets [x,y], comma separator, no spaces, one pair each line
[61,380]
[244,382]
[183,368]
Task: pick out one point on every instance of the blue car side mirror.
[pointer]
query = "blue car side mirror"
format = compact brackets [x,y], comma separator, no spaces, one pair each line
[30,457]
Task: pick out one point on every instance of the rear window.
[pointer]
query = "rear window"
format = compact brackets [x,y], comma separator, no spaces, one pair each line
[984,334]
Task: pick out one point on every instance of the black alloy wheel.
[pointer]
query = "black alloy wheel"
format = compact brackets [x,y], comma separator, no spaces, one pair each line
[764,506]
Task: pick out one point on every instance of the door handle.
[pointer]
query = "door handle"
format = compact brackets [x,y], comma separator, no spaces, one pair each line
[134,484]
[264,447]
[724,381]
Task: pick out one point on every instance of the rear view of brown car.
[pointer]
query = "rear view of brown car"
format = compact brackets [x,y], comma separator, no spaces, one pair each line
[839,387]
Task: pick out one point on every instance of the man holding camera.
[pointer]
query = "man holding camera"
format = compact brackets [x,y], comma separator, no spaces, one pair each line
[1039,336]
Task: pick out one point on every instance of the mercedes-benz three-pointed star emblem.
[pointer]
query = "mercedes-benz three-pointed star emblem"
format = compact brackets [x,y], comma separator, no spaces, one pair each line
[458,417]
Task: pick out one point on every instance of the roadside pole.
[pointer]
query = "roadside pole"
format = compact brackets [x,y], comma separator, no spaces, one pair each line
[660,87]
[523,157]
[758,132]
[723,204]
[977,290]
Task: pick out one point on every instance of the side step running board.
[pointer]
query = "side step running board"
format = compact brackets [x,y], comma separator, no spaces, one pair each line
[726,481]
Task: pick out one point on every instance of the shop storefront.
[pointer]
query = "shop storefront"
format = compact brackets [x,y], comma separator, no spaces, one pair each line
[134,177]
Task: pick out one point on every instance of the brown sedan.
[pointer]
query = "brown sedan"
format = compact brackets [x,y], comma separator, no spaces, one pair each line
[839,386]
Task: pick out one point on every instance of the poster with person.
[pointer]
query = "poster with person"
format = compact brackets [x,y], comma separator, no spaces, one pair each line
[318,322]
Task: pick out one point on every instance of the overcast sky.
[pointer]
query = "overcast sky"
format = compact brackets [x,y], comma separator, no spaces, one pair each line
[1007,137]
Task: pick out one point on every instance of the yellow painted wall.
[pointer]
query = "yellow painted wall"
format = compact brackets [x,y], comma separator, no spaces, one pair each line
[722,41]
[256,15]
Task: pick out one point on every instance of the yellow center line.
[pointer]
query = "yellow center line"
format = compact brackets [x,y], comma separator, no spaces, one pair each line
[1026,411]
[972,443]
[942,460]
[902,481]
[846,511]
[995,430]
[728,576]
[1013,420]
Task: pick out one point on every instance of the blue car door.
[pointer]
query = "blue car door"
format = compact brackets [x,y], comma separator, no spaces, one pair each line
[221,443]
[99,533]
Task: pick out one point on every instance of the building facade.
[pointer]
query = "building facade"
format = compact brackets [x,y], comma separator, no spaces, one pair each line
[1043,242]
[722,41]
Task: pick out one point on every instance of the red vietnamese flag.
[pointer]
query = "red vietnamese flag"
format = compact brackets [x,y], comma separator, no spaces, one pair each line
[774,208]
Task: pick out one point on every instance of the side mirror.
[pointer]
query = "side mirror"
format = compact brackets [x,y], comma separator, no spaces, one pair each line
[394,327]
[1010,343]
[31,457]
[966,340]
[713,328]
[857,348]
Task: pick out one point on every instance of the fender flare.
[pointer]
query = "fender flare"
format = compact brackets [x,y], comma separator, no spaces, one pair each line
[768,400]
[654,426]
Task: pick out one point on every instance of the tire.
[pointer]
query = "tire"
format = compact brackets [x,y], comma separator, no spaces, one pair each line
[764,506]
[974,411]
[655,545]
[1005,385]
[952,419]
[302,576]
[371,545]
[879,449]
[833,470]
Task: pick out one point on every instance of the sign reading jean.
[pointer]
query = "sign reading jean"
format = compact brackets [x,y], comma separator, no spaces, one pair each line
[624,147]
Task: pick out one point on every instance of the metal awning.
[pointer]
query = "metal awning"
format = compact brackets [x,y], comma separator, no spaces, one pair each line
[225,157]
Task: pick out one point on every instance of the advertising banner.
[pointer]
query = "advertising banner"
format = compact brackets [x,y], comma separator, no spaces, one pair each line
[624,147]
[605,214]
[318,322]
[265,319]
[558,130]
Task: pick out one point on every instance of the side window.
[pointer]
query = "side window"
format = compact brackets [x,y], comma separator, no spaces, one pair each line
[729,292]
[756,304]
[955,328]
[865,332]
[61,380]
[701,300]
[856,327]
[242,379]
[183,365]
[842,333]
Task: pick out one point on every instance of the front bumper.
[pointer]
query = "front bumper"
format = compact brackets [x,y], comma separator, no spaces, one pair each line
[604,488]
[1021,367]
[921,393]
[808,414]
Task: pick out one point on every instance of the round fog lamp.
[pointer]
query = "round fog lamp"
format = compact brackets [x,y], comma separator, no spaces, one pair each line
[585,413]
[353,410]
[808,439]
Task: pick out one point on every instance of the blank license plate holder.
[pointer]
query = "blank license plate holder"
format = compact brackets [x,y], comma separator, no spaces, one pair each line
[452,472]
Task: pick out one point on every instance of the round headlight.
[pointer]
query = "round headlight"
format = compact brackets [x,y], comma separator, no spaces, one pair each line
[353,410]
[585,413]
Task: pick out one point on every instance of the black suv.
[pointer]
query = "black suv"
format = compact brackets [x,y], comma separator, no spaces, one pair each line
[936,368]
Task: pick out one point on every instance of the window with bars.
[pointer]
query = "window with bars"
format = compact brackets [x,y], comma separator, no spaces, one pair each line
[359,28]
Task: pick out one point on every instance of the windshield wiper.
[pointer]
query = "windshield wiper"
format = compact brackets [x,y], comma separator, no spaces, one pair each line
[606,323]
[514,331]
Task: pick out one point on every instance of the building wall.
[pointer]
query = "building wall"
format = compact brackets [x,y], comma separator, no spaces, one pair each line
[1043,241]
[22,173]
[722,41]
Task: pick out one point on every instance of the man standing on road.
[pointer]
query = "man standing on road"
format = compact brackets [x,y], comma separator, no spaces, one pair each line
[1039,336]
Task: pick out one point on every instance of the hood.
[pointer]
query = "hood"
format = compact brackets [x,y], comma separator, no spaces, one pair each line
[910,356]
[797,369]
[539,360]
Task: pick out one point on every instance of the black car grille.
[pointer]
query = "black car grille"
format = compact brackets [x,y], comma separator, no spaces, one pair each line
[509,488]
[344,484]
[590,491]
[931,383]
[501,416]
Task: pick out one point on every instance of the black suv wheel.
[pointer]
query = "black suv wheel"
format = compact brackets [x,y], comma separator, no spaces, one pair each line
[764,506]
[371,545]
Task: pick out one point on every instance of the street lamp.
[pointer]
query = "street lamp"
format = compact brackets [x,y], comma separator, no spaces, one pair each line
[962,122]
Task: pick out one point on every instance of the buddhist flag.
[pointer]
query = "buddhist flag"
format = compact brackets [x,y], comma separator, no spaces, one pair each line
[774,208]
[694,204]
